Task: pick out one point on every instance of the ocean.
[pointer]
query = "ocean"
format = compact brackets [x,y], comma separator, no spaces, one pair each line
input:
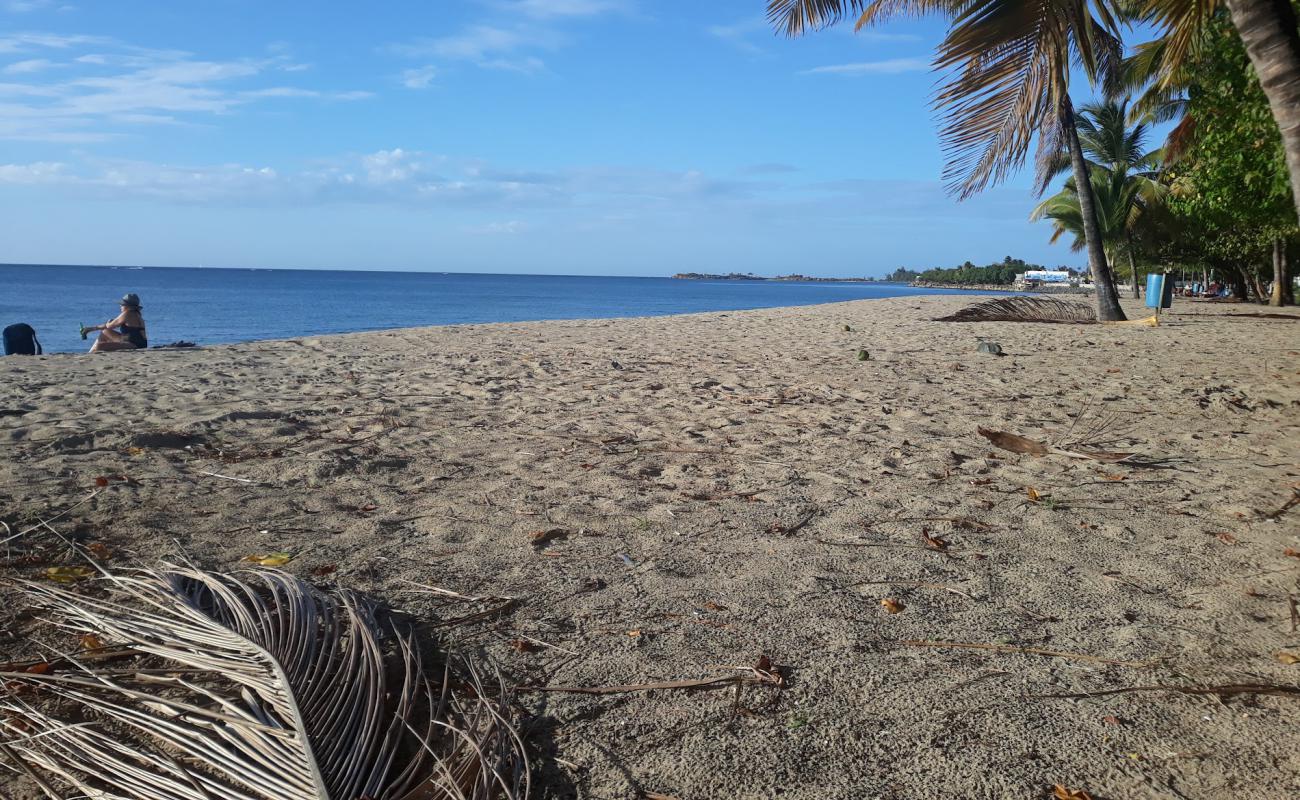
[210,305]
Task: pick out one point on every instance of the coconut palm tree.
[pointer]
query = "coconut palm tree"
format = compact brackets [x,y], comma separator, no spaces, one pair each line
[1119,205]
[1008,65]
[1124,178]
[1270,32]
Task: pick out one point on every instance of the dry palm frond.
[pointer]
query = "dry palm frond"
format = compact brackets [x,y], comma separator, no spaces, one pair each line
[1024,309]
[251,686]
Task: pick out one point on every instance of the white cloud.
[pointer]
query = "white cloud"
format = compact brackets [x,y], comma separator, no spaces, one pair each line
[28,6]
[508,228]
[29,66]
[419,77]
[116,83]
[737,34]
[550,9]
[30,174]
[487,46]
[18,42]
[892,66]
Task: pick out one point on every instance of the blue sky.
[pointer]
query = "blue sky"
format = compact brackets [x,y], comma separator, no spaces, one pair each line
[636,137]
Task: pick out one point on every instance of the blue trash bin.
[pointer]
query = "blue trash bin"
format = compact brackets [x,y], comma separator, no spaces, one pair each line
[1160,290]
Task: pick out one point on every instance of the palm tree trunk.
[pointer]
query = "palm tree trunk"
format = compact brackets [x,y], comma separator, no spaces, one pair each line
[1108,308]
[1268,29]
[1132,263]
[1280,276]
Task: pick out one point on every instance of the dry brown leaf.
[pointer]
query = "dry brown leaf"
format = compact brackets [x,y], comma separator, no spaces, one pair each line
[635,634]
[1116,477]
[712,606]
[1059,792]
[68,574]
[541,537]
[324,569]
[1287,658]
[269,559]
[101,481]
[1014,443]
[1291,551]
[1034,496]
[523,646]
[1110,719]
[90,641]
[935,543]
[1227,538]
[892,606]
[99,550]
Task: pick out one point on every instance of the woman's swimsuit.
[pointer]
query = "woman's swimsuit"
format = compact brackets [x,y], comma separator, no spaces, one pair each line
[134,335]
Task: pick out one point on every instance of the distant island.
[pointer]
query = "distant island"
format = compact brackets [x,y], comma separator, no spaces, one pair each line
[749,276]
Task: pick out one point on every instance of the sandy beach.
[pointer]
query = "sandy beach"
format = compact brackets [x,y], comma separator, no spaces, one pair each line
[724,487]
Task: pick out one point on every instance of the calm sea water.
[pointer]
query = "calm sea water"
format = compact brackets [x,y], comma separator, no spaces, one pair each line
[211,305]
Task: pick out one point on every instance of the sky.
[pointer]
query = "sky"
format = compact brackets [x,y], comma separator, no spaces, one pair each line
[605,137]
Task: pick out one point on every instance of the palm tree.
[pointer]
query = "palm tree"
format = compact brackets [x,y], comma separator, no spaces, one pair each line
[1008,66]
[1124,178]
[1270,32]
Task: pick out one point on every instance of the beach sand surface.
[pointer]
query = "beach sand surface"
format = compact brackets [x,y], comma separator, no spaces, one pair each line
[731,486]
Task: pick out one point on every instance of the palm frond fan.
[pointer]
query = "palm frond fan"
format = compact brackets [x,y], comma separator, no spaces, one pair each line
[1024,309]
[250,686]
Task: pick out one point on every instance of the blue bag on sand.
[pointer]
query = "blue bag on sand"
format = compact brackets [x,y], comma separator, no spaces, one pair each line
[20,340]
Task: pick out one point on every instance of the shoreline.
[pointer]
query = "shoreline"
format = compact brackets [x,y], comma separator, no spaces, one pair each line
[965,291]
[722,486]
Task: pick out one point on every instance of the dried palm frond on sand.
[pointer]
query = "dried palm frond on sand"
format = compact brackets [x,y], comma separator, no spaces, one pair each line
[1024,309]
[249,686]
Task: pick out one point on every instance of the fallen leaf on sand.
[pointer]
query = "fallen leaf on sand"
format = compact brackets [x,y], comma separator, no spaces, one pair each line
[523,646]
[101,481]
[712,606]
[635,634]
[1059,792]
[1110,719]
[935,543]
[1014,443]
[541,537]
[1117,477]
[324,569]
[90,641]
[1287,658]
[1034,496]
[1291,551]
[68,574]
[1227,538]
[99,550]
[892,606]
[269,559]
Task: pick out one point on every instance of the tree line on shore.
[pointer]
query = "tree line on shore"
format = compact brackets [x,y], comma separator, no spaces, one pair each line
[998,273]
[1220,196]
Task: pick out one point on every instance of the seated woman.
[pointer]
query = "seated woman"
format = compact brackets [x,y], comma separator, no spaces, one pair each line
[125,332]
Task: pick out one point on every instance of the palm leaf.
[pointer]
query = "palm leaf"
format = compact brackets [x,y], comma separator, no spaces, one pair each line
[255,686]
[1024,309]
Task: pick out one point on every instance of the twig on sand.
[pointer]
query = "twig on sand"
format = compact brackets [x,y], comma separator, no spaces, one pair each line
[1293,603]
[1017,649]
[226,477]
[44,522]
[1222,690]
[919,585]
[1287,506]
[750,676]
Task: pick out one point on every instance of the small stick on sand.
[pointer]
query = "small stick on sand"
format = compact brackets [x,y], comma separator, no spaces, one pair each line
[1293,603]
[226,477]
[1222,690]
[1031,651]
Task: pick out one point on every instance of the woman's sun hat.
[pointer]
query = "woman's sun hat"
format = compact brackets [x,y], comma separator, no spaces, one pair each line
[131,300]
